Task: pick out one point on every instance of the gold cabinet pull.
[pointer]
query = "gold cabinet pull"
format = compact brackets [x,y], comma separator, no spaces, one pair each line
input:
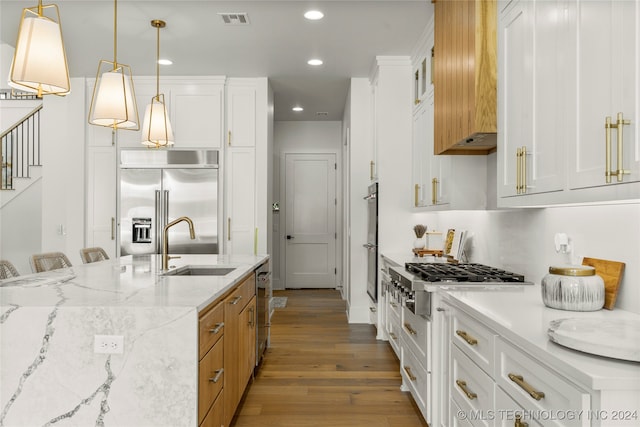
[520,423]
[229,138]
[236,300]
[518,166]
[409,373]
[409,329]
[393,336]
[434,191]
[217,328]
[218,373]
[113,228]
[607,142]
[416,194]
[393,304]
[228,229]
[523,168]
[518,379]
[372,165]
[465,336]
[620,172]
[465,390]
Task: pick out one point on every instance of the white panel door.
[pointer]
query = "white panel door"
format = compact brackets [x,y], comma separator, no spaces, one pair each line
[241,115]
[310,224]
[197,115]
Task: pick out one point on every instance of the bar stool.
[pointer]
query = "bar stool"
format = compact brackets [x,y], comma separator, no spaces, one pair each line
[95,254]
[7,270]
[49,261]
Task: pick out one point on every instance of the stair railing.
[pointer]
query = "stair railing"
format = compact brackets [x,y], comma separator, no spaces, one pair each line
[20,149]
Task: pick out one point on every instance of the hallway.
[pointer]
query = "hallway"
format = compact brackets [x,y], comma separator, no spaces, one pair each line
[321,371]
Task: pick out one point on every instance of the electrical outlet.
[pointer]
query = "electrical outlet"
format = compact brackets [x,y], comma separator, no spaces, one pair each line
[110,344]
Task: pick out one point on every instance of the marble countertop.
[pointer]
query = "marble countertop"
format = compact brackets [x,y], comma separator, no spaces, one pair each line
[522,318]
[128,281]
[51,370]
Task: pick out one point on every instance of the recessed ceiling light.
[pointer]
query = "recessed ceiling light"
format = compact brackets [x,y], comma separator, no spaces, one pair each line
[297,109]
[165,61]
[314,15]
[314,62]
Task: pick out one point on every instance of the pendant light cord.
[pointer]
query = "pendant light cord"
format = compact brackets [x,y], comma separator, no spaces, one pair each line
[158,64]
[115,34]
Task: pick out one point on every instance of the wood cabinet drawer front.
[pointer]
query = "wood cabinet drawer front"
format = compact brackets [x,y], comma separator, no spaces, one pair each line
[211,328]
[471,388]
[215,416]
[394,334]
[474,339]
[536,387]
[415,377]
[210,378]
[244,292]
[415,331]
[507,409]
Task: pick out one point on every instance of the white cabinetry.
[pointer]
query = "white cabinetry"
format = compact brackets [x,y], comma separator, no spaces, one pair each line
[247,159]
[241,113]
[101,198]
[563,68]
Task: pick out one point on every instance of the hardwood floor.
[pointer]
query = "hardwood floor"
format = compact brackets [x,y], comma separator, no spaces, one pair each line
[322,371]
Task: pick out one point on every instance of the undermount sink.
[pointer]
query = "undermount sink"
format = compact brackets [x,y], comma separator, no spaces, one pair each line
[199,270]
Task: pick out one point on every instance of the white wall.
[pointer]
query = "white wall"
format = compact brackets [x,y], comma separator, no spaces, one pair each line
[301,137]
[63,165]
[357,140]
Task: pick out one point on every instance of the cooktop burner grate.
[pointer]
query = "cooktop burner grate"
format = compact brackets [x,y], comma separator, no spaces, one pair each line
[461,273]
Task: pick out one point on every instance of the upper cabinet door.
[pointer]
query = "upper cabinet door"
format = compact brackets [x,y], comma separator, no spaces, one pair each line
[241,114]
[606,53]
[197,114]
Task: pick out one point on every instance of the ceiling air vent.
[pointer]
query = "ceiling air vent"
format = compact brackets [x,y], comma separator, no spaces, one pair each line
[322,113]
[235,18]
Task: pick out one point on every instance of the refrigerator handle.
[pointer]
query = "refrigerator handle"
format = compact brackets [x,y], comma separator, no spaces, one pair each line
[158,220]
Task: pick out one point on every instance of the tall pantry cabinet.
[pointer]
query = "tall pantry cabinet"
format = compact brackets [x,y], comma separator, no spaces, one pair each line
[566,70]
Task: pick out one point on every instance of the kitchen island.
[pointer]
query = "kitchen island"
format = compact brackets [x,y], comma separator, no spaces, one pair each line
[51,373]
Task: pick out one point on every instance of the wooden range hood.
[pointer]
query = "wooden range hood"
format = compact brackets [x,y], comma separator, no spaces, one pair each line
[465,77]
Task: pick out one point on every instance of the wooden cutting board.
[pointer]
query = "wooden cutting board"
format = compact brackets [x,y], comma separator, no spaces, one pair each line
[611,273]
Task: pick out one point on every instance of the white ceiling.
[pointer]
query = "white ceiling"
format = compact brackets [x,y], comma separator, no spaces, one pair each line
[277,43]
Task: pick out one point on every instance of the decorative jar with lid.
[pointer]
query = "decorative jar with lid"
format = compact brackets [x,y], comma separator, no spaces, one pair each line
[573,288]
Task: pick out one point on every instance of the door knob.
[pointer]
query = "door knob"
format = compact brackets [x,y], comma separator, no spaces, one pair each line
[289,237]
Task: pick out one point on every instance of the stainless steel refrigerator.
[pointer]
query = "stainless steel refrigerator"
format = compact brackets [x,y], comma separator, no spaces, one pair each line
[158,186]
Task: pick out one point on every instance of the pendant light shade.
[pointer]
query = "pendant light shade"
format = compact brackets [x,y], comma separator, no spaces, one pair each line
[39,63]
[156,128]
[113,103]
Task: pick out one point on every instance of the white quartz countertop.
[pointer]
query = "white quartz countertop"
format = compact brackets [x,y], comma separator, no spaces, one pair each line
[130,281]
[522,318]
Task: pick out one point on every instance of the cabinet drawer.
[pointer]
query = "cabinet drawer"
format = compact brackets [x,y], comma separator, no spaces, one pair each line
[471,388]
[395,332]
[395,301]
[458,416]
[417,379]
[215,416]
[211,328]
[507,409]
[210,378]
[536,387]
[474,339]
[416,333]
[244,292]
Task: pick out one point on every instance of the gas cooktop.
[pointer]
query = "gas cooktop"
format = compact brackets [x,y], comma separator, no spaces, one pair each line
[460,273]
[432,276]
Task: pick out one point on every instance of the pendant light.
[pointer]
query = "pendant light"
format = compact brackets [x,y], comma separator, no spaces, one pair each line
[156,128]
[113,103]
[39,63]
